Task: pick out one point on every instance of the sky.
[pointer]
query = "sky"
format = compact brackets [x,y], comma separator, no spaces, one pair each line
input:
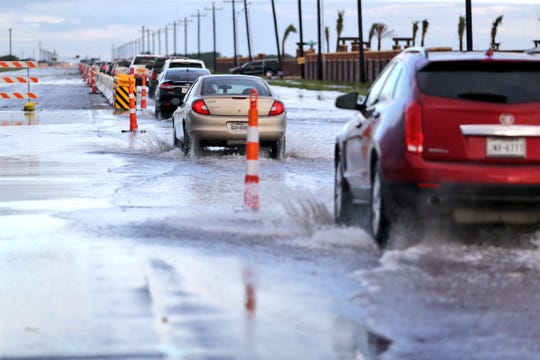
[92,28]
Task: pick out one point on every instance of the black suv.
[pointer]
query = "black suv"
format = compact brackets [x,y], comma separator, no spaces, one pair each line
[268,67]
[155,70]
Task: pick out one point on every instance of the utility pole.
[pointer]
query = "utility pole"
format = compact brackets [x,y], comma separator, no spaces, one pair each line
[247,30]
[174,37]
[148,40]
[159,41]
[166,40]
[234,30]
[319,54]
[142,40]
[361,59]
[10,44]
[214,31]
[302,65]
[468,23]
[185,22]
[276,32]
[198,16]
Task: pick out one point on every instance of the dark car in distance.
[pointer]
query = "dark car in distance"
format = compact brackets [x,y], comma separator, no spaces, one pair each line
[268,67]
[451,135]
[173,85]
[153,75]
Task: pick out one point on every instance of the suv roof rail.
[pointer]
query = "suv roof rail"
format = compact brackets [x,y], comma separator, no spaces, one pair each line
[417,50]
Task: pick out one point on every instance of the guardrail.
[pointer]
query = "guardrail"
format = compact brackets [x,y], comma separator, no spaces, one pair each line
[106,85]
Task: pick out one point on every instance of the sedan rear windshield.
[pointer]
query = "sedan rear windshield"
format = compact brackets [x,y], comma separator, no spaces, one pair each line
[234,86]
[489,81]
[184,75]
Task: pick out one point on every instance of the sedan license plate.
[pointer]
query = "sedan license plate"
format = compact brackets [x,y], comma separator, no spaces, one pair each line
[237,126]
[506,147]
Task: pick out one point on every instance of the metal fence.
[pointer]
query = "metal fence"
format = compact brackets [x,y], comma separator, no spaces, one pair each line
[347,70]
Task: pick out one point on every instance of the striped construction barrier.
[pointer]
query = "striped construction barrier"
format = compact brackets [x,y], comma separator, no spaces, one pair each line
[18,95]
[18,79]
[18,64]
[251,190]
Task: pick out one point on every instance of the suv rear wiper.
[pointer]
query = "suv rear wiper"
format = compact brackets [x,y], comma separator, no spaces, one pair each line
[494,98]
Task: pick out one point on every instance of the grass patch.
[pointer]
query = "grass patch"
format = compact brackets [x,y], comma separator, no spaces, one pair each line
[321,85]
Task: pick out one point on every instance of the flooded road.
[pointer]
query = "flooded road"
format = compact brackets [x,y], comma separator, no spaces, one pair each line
[116,245]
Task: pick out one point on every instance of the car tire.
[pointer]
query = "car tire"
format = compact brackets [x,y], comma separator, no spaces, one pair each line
[191,145]
[343,200]
[277,150]
[176,141]
[379,221]
[186,145]
[157,111]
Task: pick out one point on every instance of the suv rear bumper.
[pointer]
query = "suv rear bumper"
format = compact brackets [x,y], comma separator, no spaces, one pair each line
[470,203]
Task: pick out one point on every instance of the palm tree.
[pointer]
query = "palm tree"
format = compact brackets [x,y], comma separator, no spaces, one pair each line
[371,34]
[425,25]
[494,26]
[339,26]
[461,30]
[288,30]
[381,31]
[414,31]
[327,35]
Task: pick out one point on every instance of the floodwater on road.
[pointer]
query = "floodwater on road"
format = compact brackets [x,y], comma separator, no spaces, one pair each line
[116,245]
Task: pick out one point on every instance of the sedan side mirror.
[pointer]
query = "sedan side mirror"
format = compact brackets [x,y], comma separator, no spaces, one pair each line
[350,101]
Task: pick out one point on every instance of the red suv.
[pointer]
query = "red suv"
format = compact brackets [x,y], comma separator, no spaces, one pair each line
[452,134]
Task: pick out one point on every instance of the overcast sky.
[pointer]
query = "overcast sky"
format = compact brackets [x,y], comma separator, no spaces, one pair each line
[90,28]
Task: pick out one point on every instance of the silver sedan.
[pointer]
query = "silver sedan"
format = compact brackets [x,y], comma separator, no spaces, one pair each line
[214,112]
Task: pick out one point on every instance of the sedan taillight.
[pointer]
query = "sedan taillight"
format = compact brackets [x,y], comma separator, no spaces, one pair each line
[200,107]
[166,86]
[277,108]
[414,137]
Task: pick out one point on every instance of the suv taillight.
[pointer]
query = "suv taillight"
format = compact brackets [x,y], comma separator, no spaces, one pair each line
[277,108]
[414,137]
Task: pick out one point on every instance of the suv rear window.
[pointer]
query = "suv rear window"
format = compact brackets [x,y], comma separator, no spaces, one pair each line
[144,60]
[186,64]
[186,75]
[489,81]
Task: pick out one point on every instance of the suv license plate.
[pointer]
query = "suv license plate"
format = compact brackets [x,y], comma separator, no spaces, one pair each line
[238,127]
[506,147]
